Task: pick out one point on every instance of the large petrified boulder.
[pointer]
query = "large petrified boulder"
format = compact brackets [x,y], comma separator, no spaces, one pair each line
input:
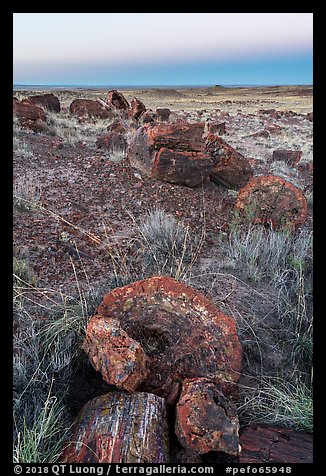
[29,115]
[205,419]
[230,168]
[117,101]
[120,359]
[290,157]
[89,108]
[171,152]
[137,108]
[120,428]
[47,101]
[263,444]
[272,200]
[183,334]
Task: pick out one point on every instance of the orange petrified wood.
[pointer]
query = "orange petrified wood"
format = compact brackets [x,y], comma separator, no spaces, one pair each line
[183,334]
[205,419]
[271,199]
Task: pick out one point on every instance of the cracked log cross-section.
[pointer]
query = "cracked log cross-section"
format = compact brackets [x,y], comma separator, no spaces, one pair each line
[272,200]
[182,333]
[120,428]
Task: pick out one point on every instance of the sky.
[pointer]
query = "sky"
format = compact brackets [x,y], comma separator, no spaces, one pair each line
[162,48]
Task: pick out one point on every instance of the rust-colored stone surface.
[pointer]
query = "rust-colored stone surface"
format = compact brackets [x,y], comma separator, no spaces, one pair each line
[117,100]
[171,152]
[183,334]
[230,168]
[205,419]
[47,101]
[271,199]
[262,444]
[29,115]
[186,168]
[120,428]
[163,114]
[112,141]
[89,108]
[120,359]
[137,108]
[291,157]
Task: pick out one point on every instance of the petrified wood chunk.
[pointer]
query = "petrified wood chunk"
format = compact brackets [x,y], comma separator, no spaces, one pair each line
[137,108]
[120,428]
[183,334]
[48,101]
[171,152]
[230,168]
[262,444]
[117,101]
[120,359]
[89,108]
[184,168]
[205,419]
[271,199]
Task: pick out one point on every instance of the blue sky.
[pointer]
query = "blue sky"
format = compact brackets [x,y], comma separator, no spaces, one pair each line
[162,48]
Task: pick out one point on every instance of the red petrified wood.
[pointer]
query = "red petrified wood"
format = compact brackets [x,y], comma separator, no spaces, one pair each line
[262,444]
[120,359]
[28,114]
[117,101]
[137,108]
[205,419]
[230,168]
[120,428]
[171,152]
[89,108]
[271,199]
[112,141]
[183,334]
[48,101]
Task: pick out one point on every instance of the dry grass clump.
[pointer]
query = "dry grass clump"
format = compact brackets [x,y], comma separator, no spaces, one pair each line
[73,132]
[167,246]
[279,402]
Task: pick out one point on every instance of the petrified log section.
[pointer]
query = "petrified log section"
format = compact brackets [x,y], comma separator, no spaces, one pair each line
[89,108]
[29,115]
[278,445]
[137,108]
[272,200]
[230,168]
[120,428]
[183,334]
[47,101]
[205,419]
[171,152]
[117,101]
[120,359]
